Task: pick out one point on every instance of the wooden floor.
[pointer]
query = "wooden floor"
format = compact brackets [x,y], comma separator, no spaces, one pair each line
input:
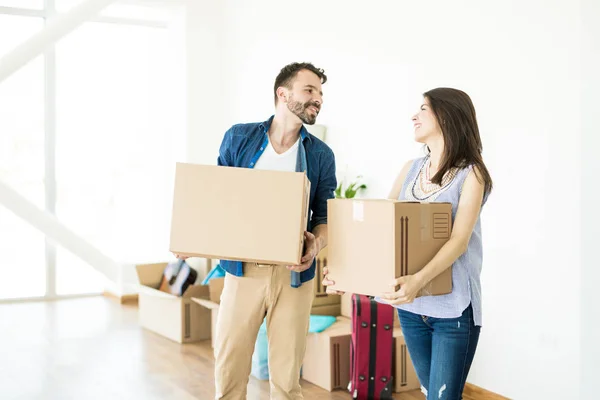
[94,348]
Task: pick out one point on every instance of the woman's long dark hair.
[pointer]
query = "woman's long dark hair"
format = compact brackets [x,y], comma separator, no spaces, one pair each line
[455,114]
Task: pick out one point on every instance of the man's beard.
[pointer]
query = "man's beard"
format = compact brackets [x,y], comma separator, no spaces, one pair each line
[301,111]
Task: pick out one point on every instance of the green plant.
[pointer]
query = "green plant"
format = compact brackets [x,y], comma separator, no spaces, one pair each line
[352,189]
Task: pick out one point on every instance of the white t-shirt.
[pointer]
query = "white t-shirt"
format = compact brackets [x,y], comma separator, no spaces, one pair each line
[278,162]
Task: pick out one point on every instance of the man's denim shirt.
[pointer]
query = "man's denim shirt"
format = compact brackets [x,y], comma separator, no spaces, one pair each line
[243,144]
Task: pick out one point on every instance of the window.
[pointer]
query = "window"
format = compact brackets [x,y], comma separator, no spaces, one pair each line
[119,108]
[118,137]
[23,267]
[154,13]
[22,248]
[29,4]
[22,114]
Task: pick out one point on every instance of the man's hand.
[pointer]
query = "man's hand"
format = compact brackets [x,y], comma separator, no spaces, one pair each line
[311,249]
[180,257]
[410,285]
[328,282]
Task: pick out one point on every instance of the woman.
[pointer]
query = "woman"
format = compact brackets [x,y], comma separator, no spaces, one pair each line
[441,332]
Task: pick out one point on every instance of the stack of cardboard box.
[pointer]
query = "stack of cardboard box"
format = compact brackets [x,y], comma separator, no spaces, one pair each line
[260,216]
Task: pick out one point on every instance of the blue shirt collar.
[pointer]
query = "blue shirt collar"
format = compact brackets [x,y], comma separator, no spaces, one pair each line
[267,124]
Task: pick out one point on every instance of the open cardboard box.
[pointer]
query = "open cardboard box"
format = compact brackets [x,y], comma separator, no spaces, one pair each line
[211,304]
[177,318]
[372,242]
[232,217]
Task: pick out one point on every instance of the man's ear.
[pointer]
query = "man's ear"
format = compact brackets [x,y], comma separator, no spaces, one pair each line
[283,94]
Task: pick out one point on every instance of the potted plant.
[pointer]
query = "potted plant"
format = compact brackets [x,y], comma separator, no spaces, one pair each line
[351,190]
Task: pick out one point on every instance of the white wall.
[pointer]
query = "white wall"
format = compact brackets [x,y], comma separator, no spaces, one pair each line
[204,82]
[520,62]
[590,213]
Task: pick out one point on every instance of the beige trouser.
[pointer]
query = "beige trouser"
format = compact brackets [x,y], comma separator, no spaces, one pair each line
[263,290]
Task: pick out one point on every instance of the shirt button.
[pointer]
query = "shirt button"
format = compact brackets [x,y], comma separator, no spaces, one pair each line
[261,148]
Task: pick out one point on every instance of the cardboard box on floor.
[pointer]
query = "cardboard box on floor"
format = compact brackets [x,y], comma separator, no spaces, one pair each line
[177,318]
[403,371]
[247,215]
[372,242]
[327,358]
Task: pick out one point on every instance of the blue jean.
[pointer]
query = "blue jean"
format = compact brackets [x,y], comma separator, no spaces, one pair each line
[442,350]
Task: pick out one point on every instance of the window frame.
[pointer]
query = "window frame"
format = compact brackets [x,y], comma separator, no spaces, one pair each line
[50,97]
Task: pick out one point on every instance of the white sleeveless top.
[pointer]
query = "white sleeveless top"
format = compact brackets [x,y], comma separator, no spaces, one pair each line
[466,270]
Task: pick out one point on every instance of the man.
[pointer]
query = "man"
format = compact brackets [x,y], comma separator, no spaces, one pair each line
[253,291]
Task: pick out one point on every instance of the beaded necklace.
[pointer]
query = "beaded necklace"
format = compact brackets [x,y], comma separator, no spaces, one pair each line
[422,187]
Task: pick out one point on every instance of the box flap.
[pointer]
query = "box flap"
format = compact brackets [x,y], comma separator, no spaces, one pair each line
[215,288]
[155,292]
[200,291]
[150,274]
[206,303]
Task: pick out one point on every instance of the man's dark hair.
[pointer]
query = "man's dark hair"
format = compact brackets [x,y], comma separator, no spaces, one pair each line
[288,74]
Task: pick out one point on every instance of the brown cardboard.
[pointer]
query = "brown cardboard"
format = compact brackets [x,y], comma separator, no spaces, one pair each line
[403,371]
[321,296]
[176,318]
[331,309]
[213,308]
[239,214]
[327,358]
[215,287]
[346,309]
[372,242]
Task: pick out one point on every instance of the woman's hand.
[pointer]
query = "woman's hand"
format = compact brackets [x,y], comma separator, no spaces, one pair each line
[410,286]
[328,282]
